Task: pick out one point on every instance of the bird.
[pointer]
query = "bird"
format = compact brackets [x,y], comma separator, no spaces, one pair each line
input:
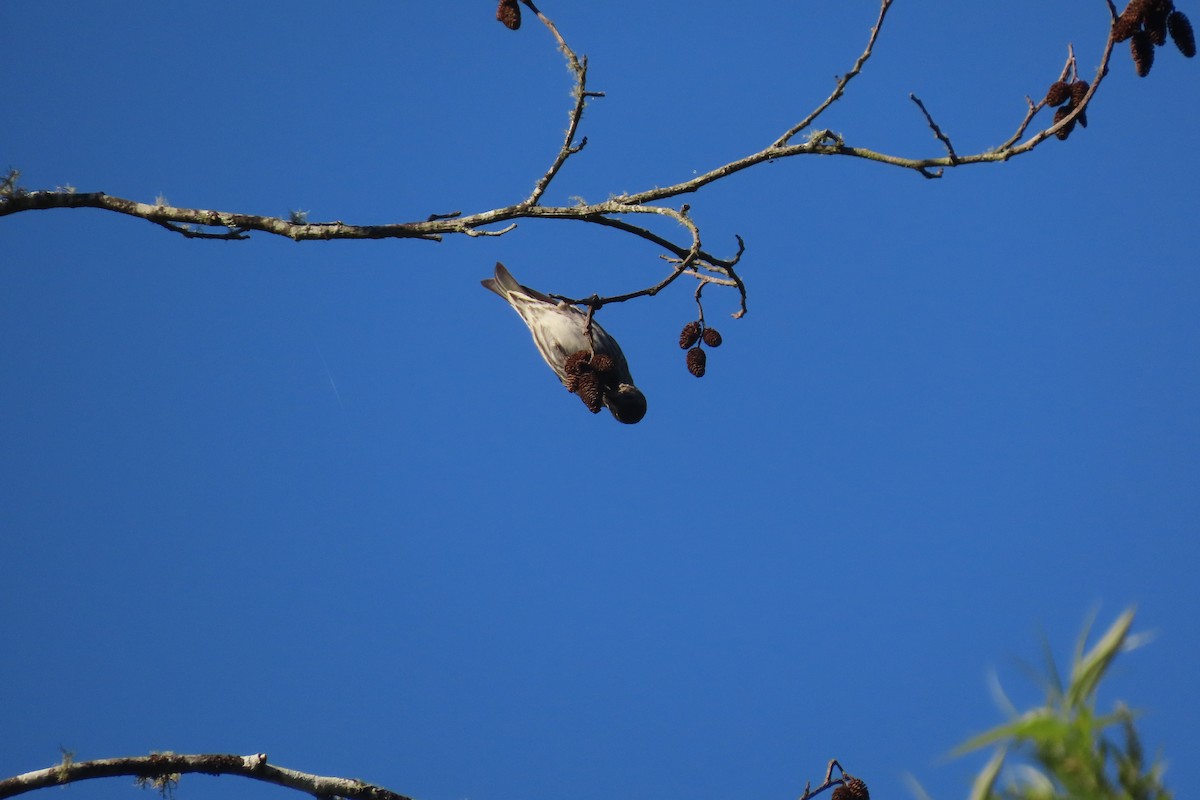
[560,331]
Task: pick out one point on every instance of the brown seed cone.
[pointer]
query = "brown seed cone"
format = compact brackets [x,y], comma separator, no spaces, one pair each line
[587,386]
[689,335]
[712,338]
[1125,26]
[852,789]
[1059,116]
[1155,20]
[1078,90]
[577,363]
[509,12]
[1058,93]
[1143,53]
[602,364]
[696,361]
[1181,33]
[1136,9]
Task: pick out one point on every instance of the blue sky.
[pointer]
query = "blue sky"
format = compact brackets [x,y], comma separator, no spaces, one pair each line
[324,501]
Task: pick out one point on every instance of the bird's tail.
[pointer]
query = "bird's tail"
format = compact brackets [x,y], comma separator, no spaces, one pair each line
[503,283]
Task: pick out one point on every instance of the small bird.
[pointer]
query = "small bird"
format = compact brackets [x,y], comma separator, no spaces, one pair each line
[559,332]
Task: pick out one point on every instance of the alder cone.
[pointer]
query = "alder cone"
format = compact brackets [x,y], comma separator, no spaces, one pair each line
[1125,27]
[689,335]
[1065,131]
[509,13]
[1181,33]
[1058,93]
[1143,53]
[587,386]
[1079,90]
[1136,9]
[712,337]
[1155,20]
[602,363]
[576,363]
[852,789]
[696,361]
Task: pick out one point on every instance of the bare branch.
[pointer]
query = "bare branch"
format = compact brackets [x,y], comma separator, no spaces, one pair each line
[166,765]
[162,214]
[686,255]
[165,769]
[579,68]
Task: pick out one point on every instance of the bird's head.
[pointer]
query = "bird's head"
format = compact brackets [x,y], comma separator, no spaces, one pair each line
[626,402]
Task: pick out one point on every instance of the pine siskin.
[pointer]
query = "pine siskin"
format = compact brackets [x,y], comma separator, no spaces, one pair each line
[558,331]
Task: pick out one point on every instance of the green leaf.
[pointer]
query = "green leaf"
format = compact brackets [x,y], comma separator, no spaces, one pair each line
[1038,725]
[915,787]
[1032,783]
[1090,668]
[981,789]
[1053,683]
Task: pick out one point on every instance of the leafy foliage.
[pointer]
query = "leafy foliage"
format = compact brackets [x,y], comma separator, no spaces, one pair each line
[1067,750]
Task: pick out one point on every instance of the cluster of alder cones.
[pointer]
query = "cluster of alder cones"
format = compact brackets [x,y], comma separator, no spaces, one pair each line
[690,338]
[1071,94]
[588,375]
[1146,24]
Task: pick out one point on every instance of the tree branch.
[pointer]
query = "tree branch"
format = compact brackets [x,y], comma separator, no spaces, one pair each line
[687,258]
[579,69]
[164,770]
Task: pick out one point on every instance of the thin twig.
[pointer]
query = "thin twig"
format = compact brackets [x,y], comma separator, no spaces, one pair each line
[828,782]
[189,233]
[843,81]
[945,140]
[692,254]
[579,68]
